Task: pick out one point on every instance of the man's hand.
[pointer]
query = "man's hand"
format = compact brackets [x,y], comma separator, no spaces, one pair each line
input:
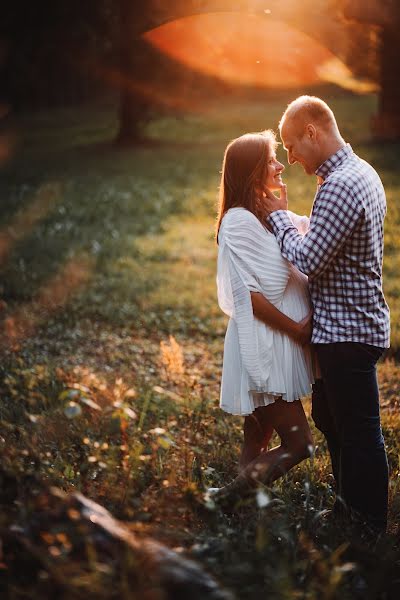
[272,202]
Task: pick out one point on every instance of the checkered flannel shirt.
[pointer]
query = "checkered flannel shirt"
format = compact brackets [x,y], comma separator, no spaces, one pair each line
[342,252]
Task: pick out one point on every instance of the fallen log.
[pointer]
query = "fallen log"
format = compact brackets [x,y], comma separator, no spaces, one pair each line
[71,548]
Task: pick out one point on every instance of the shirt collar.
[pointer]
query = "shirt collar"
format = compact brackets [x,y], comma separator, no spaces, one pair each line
[334,161]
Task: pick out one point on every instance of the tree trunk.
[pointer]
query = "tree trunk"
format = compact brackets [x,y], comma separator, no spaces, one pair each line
[134,106]
[386,124]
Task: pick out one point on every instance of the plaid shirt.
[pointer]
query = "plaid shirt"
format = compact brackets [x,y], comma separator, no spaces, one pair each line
[342,252]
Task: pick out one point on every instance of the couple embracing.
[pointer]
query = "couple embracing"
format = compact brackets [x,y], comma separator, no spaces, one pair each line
[306,307]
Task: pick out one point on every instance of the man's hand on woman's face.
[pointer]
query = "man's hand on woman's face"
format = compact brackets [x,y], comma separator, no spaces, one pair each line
[272,202]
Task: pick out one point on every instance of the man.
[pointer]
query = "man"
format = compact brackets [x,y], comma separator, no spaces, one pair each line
[342,255]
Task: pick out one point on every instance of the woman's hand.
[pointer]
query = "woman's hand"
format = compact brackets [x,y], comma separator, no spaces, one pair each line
[272,202]
[304,329]
[266,312]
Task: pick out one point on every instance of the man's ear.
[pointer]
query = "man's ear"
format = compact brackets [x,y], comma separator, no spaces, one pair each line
[311,132]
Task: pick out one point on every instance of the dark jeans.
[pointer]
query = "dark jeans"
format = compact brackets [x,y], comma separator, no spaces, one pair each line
[345,407]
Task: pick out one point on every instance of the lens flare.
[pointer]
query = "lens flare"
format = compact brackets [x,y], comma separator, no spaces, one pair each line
[249,50]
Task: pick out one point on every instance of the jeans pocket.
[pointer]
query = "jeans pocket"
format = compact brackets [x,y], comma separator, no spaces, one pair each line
[374,352]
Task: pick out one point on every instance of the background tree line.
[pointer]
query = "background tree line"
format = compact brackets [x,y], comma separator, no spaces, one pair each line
[69,52]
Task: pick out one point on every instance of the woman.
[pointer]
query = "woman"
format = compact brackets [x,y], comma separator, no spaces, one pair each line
[267,363]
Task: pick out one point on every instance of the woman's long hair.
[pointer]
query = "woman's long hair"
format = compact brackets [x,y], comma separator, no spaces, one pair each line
[244,172]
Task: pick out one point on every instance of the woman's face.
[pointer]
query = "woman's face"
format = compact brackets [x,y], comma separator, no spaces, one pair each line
[274,173]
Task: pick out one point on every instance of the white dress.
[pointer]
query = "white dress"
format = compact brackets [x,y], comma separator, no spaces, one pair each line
[260,364]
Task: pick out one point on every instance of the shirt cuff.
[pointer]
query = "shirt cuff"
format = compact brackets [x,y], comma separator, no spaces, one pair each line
[279,219]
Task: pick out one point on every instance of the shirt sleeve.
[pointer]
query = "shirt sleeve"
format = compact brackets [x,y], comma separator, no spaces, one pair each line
[336,213]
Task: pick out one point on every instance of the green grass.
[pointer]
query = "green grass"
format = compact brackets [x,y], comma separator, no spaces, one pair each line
[99,202]
[106,253]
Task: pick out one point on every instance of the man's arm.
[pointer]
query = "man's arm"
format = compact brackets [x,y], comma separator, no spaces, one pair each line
[265,311]
[335,215]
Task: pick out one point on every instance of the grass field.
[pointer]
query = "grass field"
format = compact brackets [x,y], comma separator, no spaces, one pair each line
[112,345]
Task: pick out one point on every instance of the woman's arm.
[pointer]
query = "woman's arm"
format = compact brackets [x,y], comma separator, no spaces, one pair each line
[271,316]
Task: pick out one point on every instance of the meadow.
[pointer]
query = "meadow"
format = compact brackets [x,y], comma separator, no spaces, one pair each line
[112,340]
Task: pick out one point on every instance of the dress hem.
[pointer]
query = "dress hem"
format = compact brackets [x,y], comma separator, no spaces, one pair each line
[271,401]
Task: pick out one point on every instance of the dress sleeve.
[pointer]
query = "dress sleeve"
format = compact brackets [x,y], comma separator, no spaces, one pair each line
[302,223]
[245,260]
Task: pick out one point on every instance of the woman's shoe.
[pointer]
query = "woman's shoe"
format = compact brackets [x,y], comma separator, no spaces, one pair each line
[228,500]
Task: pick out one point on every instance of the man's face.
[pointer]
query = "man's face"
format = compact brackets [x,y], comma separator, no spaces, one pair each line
[300,146]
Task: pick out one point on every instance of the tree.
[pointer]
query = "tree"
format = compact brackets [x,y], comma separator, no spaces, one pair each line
[135,104]
[68,51]
[49,48]
[385,14]
[139,65]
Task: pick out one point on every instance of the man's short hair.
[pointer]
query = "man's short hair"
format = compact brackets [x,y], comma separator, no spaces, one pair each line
[309,109]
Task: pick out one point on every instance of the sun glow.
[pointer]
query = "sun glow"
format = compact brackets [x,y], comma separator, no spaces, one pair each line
[244,49]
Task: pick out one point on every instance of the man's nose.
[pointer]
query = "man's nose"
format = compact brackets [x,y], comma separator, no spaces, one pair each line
[291,159]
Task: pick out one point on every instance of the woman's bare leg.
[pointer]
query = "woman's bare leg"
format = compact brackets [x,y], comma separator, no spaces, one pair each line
[267,427]
[290,422]
[257,432]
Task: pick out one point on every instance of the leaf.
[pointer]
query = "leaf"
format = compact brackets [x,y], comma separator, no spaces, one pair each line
[33,418]
[130,413]
[89,403]
[165,442]
[72,410]
[157,430]
[262,499]
[69,472]
[82,388]
[209,470]
[69,394]
[160,390]
[346,567]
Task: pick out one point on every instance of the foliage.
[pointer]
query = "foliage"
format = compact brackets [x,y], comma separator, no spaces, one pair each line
[117,255]
[50,50]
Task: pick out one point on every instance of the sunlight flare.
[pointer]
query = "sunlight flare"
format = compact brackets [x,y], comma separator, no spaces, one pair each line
[243,49]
